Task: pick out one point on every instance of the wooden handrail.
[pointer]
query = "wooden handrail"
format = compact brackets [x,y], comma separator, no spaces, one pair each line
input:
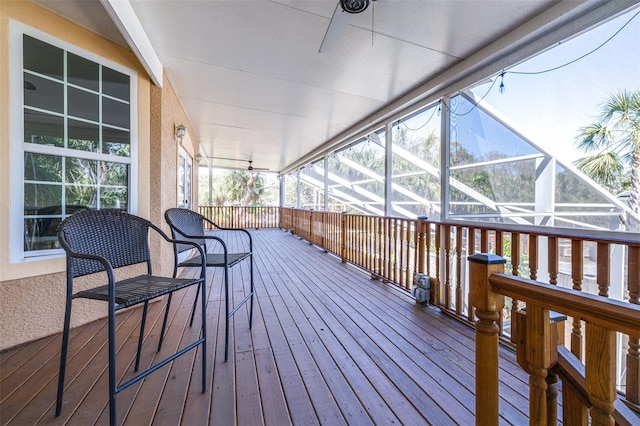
[540,350]
[607,313]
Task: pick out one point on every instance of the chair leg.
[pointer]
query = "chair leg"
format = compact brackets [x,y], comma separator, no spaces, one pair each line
[204,337]
[251,288]
[63,355]
[164,321]
[226,312]
[141,337]
[112,364]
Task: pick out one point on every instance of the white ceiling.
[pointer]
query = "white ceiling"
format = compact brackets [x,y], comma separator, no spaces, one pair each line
[254,85]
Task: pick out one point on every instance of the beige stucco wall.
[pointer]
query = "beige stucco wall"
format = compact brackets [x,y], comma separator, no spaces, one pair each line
[32,292]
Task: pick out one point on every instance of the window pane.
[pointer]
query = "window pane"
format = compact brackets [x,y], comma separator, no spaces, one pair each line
[81,172]
[83,136]
[115,84]
[82,72]
[44,94]
[43,129]
[115,113]
[81,196]
[116,174]
[114,199]
[41,167]
[41,195]
[116,142]
[83,104]
[42,57]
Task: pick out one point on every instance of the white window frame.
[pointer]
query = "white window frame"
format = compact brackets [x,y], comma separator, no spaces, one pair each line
[17,147]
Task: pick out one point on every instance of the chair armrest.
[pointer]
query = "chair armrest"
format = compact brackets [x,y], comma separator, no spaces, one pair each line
[185,242]
[233,229]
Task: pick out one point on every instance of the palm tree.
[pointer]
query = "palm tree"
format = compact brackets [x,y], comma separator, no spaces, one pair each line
[615,141]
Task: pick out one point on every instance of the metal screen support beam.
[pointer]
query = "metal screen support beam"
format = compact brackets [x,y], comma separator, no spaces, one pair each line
[388,169]
[326,182]
[445,157]
[298,190]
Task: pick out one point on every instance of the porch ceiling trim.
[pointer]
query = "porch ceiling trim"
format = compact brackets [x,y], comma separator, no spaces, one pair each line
[126,20]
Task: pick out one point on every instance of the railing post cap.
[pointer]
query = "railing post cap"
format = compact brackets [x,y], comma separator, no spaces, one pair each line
[486,259]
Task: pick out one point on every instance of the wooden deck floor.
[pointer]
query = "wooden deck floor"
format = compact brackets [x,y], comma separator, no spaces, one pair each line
[328,345]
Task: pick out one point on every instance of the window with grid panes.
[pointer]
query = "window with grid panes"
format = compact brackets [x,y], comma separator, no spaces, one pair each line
[77,142]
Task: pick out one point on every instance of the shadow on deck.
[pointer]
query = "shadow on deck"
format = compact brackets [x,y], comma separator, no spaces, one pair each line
[328,345]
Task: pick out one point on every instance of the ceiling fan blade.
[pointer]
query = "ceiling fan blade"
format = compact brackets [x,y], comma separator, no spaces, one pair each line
[339,22]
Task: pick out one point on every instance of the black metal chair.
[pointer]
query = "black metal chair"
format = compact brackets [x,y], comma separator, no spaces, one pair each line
[188,225]
[97,241]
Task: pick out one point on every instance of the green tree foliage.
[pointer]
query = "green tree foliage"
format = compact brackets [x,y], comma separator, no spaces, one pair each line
[614,141]
[233,187]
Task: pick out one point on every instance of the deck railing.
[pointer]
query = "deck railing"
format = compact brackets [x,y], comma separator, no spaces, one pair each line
[395,249]
[242,217]
[588,387]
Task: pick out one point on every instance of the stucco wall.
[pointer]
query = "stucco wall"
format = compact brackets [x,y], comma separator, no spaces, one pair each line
[166,114]
[32,292]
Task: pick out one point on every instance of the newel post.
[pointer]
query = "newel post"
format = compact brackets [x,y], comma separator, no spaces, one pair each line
[488,306]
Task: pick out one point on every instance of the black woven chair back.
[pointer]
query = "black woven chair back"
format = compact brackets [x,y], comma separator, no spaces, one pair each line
[185,222]
[119,237]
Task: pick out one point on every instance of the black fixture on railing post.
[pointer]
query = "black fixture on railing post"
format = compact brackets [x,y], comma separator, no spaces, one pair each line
[488,306]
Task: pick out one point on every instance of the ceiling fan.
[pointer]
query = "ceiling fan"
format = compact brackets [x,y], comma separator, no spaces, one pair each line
[340,19]
[249,168]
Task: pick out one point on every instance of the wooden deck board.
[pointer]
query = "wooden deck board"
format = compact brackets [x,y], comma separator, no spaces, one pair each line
[328,345]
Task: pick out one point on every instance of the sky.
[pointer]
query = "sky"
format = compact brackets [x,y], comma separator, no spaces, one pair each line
[559,102]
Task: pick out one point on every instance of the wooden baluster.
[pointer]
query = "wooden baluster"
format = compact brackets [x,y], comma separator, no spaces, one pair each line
[499,248]
[471,249]
[515,253]
[533,257]
[370,244]
[447,266]
[488,306]
[552,398]
[515,266]
[499,243]
[484,241]
[471,242]
[378,247]
[539,358]
[577,262]
[459,295]
[600,364]
[552,260]
[633,354]
[421,249]
[436,292]
[427,242]
[408,277]
[402,253]
[367,246]
[343,237]
[311,233]
[603,269]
